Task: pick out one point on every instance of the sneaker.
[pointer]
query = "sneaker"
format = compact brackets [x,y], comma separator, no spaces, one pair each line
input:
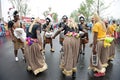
[29,68]
[52,50]
[16,59]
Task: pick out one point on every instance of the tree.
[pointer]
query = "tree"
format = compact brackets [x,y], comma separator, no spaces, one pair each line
[74,15]
[100,7]
[89,6]
[53,15]
[45,13]
[25,9]
[85,9]
[21,6]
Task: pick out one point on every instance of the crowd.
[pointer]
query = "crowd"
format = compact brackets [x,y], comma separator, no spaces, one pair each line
[73,38]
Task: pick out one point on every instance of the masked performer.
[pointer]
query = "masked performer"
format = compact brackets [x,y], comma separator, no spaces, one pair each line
[62,24]
[48,31]
[84,37]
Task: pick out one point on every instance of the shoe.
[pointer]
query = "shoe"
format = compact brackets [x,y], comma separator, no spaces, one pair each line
[16,59]
[99,74]
[29,68]
[52,50]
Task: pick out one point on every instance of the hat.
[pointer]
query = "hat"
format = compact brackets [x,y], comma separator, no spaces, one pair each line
[81,18]
[15,13]
[32,19]
[64,17]
[48,20]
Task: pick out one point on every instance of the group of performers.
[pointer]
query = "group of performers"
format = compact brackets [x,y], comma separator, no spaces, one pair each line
[73,38]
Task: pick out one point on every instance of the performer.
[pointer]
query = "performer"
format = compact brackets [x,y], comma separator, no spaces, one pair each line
[12,25]
[48,31]
[70,47]
[62,24]
[84,38]
[99,57]
[33,49]
[111,33]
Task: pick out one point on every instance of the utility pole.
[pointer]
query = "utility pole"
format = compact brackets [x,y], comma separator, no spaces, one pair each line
[0,9]
[98,6]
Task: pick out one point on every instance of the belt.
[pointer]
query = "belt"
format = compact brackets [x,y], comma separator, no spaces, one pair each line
[101,39]
[30,41]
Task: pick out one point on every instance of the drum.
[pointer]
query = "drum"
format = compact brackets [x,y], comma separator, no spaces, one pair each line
[48,40]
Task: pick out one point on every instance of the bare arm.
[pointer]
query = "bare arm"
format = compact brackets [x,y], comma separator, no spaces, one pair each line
[94,42]
[39,37]
[58,32]
[11,34]
[44,29]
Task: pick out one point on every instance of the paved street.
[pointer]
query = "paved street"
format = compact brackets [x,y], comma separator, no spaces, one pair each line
[11,70]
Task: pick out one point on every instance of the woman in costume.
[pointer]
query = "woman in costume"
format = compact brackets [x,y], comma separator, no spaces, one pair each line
[33,49]
[111,32]
[99,59]
[70,48]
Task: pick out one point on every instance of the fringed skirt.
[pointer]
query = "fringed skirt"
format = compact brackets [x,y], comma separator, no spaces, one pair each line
[102,54]
[112,51]
[70,56]
[18,44]
[35,58]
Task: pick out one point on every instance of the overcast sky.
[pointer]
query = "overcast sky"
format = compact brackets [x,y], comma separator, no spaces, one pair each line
[61,7]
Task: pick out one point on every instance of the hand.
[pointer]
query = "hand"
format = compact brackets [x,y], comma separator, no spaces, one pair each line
[53,37]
